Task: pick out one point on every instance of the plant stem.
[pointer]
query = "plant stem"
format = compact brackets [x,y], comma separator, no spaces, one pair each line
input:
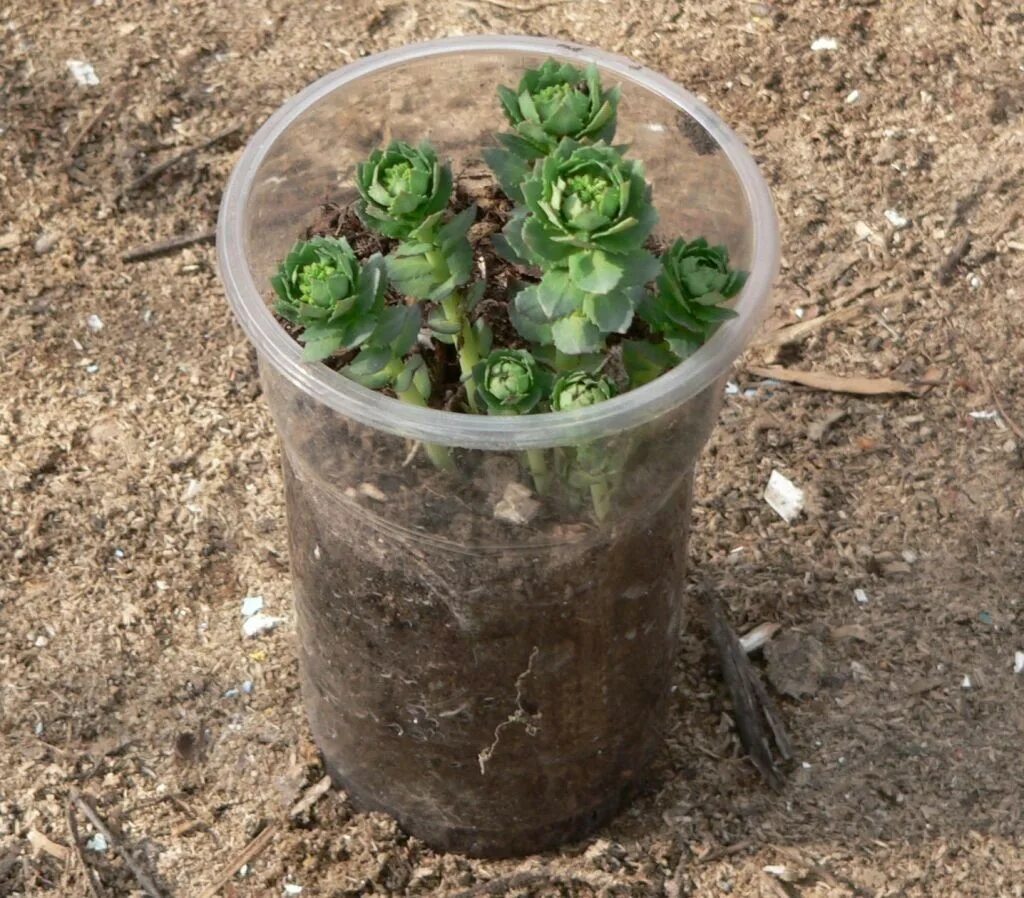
[564,362]
[465,342]
[441,456]
[601,497]
[539,469]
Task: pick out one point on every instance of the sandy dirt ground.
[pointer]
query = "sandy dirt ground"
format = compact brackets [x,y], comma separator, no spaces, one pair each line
[141,498]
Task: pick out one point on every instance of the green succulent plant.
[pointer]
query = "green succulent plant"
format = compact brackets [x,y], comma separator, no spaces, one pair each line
[686,306]
[590,466]
[510,382]
[400,187]
[404,192]
[553,101]
[337,301]
[586,215]
[433,259]
[579,389]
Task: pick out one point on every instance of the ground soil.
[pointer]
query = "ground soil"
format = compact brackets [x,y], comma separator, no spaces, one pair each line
[142,500]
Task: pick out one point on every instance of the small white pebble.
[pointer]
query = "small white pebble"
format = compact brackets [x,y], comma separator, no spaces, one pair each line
[965,683]
[860,596]
[119,553]
[194,488]
[291,888]
[824,43]
[732,388]
[94,323]
[784,497]
[92,369]
[260,623]
[247,687]
[974,281]
[83,73]
[805,765]
[97,843]
[799,311]
[984,415]
[852,97]
[41,641]
[896,219]
[1018,662]
[909,556]
[162,585]
[251,604]
[44,243]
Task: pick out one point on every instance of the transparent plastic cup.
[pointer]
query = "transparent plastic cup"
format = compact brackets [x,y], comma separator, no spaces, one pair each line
[489,665]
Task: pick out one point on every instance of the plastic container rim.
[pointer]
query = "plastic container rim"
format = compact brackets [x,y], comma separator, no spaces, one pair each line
[624,412]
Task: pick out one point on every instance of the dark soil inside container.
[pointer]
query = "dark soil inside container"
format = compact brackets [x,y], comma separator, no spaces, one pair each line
[488,664]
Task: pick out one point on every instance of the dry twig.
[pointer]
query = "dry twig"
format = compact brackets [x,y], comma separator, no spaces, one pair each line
[944,273]
[256,846]
[138,871]
[91,876]
[752,706]
[250,851]
[817,380]
[166,247]
[153,173]
[90,125]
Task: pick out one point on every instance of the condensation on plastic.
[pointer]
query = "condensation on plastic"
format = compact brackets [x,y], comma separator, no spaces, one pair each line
[489,665]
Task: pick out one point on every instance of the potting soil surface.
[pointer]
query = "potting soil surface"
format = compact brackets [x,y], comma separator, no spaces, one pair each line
[141,498]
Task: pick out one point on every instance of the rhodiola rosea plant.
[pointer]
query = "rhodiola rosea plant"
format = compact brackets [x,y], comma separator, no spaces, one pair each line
[600,307]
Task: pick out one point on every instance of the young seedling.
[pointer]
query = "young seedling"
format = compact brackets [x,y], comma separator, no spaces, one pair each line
[685,308]
[339,304]
[510,382]
[553,101]
[586,216]
[322,287]
[593,466]
[404,193]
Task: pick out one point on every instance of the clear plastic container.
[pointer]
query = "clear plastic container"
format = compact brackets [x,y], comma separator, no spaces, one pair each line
[489,665]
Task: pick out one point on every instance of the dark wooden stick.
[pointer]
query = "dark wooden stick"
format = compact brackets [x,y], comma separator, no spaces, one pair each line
[140,873]
[262,839]
[168,246]
[91,876]
[752,705]
[151,174]
[90,125]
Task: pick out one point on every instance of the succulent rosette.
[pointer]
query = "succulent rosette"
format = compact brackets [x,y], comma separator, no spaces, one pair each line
[400,187]
[553,101]
[579,389]
[510,382]
[433,259]
[337,301]
[586,215]
[687,305]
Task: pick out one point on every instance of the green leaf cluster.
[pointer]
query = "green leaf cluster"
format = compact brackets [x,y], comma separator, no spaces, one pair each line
[322,287]
[580,389]
[554,101]
[585,216]
[401,187]
[685,308]
[511,382]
